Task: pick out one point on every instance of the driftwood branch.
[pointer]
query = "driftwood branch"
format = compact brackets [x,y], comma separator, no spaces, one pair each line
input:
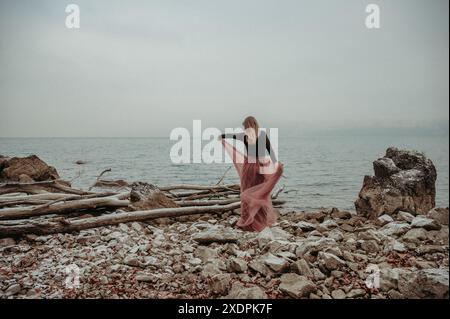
[281,189]
[186,203]
[39,199]
[39,188]
[219,202]
[76,197]
[223,176]
[45,198]
[210,195]
[58,207]
[198,187]
[25,198]
[64,225]
[99,176]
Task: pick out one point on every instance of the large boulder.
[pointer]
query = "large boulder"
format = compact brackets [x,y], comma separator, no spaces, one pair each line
[440,215]
[145,196]
[3,159]
[427,283]
[26,169]
[403,181]
[414,284]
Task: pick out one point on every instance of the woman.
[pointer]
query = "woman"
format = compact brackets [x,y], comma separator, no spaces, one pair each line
[258,175]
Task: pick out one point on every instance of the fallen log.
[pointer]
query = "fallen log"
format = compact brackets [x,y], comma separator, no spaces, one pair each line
[45,198]
[200,187]
[187,203]
[24,200]
[210,195]
[218,202]
[202,193]
[39,188]
[64,225]
[184,194]
[59,207]
[99,176]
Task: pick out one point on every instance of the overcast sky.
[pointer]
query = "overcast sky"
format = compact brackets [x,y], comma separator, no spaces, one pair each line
[141,68]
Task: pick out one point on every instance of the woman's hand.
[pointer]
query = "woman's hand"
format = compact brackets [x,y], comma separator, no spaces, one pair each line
[279,166]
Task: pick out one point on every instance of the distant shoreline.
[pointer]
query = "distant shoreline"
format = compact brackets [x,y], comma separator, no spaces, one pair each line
[441,130]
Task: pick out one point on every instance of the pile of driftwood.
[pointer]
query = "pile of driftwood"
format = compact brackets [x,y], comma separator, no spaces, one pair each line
[55,207]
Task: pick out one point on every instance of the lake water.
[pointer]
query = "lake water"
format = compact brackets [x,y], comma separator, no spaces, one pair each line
[323,170]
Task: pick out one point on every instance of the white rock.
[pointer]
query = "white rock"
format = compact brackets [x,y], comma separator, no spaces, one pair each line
[238,265]
[13,290]
[260,267]
[195,261]
[147,277]
[301,267]
[132,261]
[280,234]
[385,219]
[137,227]
[220,283]
[187,248]
[338,294]
[205,253]
[355,293]
[275,263]
[114,235]
[336,234]
[210,269]
[151,261]
[405,216]
[264,237]
[369,246]
[296,286]
[330,261]
[215,234]
[395,228]
[399,247]
[305,226]
[415,235]
[425,223]
[238,291]
[328,224]
[440,215]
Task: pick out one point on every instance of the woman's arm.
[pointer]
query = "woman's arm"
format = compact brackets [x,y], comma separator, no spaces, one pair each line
[236,136]
[270,150]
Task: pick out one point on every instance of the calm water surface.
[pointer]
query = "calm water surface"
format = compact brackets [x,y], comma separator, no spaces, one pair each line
[321,171]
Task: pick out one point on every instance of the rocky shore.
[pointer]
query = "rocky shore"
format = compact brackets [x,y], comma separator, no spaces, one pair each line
[394,245]
[317,254]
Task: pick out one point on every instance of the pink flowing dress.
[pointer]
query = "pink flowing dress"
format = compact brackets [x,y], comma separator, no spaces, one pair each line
[257,211]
